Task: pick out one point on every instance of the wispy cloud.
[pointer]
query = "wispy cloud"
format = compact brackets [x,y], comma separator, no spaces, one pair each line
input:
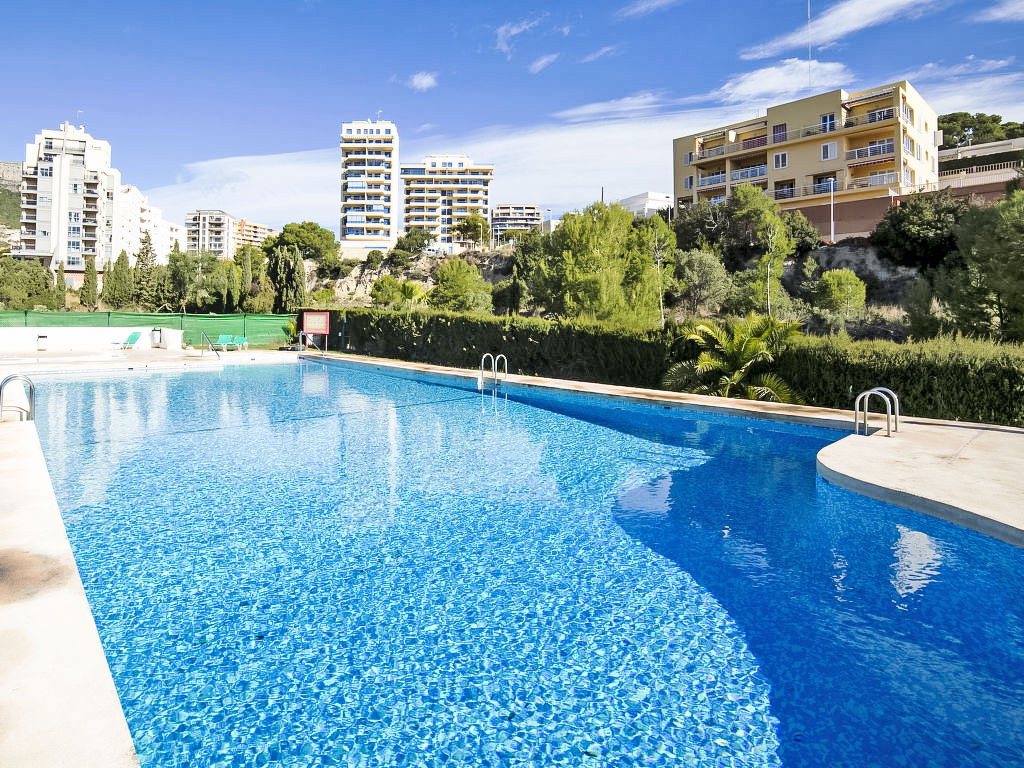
[422,81]
[839,20]
[784,81]
[643,7]
[607,50]
[991,93]
[969,66]
[1007,10]
[542,62]
[508,31]
[565,30]
[637,105]
[424,127]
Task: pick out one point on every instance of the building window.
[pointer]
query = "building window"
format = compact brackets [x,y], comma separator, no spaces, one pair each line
[48,144]
[908,144]
[778,133]
[74,245]
[688,182]
[908,176]
[74,216]
[74,231]
[829,151]
[46,171]
[828,122]
[781,160]
[74,261]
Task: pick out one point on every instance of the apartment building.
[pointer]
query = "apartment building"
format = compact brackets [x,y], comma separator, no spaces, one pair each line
[210,230]
[440,192]
[133,217]
[646,204]
[67,201]
[250,233]
[514,216]
[369,187]
[841,158]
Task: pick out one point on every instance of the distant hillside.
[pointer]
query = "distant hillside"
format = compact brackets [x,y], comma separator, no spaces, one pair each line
[10,207]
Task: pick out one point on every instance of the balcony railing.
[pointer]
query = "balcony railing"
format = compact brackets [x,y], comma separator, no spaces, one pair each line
[29,204]
[30,172]
[712,152]
[875,150]
[874,180]
[991,167]
[754,172]
[711,180]
[28,217]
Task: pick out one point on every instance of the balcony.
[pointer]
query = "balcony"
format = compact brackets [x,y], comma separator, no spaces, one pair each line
[704,154]
[28,217]
[26,203]
[754,172]
[874,116]
[711,180]
[91,193]
[874,180]
[30,172]
[32,189]
[874,150]
[89,221]
[90,207]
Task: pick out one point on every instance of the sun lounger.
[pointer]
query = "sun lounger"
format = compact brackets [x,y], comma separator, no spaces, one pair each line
[129,343]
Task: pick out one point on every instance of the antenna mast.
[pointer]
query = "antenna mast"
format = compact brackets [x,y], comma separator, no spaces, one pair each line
[808,43]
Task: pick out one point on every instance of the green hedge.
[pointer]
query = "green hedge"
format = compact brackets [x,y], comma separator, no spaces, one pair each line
[581,351]
[943,378]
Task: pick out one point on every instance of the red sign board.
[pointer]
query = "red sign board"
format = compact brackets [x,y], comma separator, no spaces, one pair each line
[316,322]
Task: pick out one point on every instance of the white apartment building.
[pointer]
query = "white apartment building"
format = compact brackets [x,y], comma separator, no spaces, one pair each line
[250,233]
[646,204]
[514,216]
[67,201]
[440,192]
[210,230]
[369,187]
[134,216]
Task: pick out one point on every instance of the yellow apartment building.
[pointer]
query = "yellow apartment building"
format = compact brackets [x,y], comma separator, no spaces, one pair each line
[841,158]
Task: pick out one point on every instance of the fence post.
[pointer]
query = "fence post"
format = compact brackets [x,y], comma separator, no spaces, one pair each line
[108,319]
[243,323]
[26,318]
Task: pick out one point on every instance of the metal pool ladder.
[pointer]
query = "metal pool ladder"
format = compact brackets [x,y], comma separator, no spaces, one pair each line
[210,342]
[494,370]
[31,411]
[889,398]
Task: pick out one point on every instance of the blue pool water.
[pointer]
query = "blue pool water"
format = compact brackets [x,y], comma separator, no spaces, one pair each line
[322,565]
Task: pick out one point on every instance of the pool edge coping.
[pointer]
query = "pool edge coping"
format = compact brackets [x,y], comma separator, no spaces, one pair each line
[59,701]
[779,412]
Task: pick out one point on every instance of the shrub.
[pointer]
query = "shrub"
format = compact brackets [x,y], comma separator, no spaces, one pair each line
[374,259]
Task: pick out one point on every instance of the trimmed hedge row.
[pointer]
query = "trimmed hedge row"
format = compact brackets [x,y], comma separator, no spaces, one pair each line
[942,378]
[533,346]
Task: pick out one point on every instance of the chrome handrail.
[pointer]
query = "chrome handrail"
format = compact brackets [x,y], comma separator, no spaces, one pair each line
[31,412]
[307,337]
[480,378]
[889,398]
[497,381]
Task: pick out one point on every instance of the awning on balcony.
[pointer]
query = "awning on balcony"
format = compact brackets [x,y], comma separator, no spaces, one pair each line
[873,161]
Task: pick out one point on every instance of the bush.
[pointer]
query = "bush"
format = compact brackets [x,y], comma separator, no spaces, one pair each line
[942,378]
[571,350]
[374,259]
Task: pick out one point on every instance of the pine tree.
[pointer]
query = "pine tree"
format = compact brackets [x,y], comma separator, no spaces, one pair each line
[118,289]
[145,275]
[60,288]
[287,272]
[246,281]
[87,295]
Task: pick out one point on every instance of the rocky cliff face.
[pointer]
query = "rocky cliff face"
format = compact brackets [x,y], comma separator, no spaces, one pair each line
[887,283]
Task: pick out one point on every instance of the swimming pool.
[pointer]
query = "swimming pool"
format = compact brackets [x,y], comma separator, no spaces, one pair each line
[325,565]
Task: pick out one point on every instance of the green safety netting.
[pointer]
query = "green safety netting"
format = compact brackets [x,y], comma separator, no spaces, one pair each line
[260,330]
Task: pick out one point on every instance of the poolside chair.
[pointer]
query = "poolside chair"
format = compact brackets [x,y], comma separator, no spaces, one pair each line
[223,341]
[240,342]
[129,343]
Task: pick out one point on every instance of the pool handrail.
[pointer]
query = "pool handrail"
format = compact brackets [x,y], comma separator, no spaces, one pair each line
[30,412]
[210,342]
[888,397]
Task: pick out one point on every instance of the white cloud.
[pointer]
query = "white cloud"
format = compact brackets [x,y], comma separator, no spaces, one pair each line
[784,81]
[642,104]
[1007,10]
[509,30]
[542,62]
[969,66]
[643,7]
[564,30]
[990,93]
[422,81]
[599,53]
[556,166]
[838,21]
[424,127]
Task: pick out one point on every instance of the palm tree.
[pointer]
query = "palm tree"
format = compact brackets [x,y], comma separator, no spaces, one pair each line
[730,357]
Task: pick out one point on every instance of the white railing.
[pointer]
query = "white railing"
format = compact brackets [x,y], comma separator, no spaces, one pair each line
[983,168]
[874,150]
[712,152]
[753,172]
[877,180]
[711,180]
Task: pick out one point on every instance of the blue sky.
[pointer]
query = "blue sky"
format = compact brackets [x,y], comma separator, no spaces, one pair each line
[238,105]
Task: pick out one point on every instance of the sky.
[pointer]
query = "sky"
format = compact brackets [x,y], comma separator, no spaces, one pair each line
[238,106]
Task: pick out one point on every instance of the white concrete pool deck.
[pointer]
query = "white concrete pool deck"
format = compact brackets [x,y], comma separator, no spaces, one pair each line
[58,704]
